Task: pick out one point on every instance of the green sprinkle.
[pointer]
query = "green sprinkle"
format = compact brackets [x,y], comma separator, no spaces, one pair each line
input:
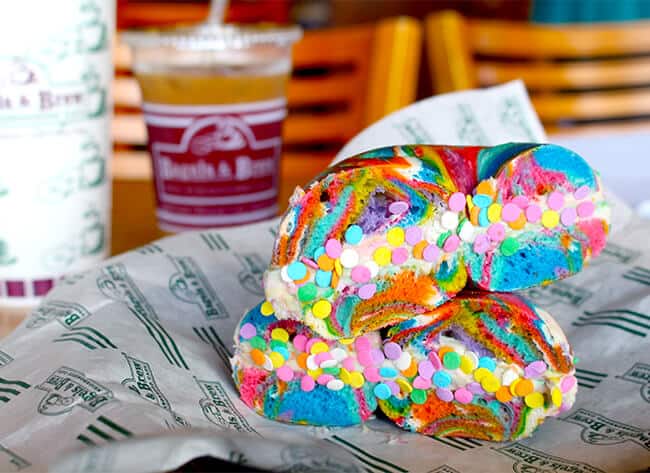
[451,360]
[307,292]
[328,292]
[509,246]
[277,344]
[332,370]
[258,342]
[443,237]
[418,396]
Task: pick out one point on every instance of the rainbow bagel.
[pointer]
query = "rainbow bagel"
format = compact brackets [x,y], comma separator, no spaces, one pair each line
[395,232]
[490,366]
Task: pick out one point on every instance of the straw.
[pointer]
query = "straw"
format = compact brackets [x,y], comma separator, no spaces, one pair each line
[217,11]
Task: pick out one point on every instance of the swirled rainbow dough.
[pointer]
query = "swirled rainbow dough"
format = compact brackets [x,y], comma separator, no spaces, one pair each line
[490,366]
[391,234]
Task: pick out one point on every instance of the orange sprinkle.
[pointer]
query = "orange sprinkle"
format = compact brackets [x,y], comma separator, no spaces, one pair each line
[303,280]
[525,386]
[412,370]
[302,360]
[473,215]
[443,351]
[335,280]
[325,262]
[419,247]
[519,223]
[485,187]
[257,356]
[503,394]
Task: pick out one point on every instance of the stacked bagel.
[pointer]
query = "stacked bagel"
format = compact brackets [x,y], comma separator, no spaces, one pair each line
[390,287]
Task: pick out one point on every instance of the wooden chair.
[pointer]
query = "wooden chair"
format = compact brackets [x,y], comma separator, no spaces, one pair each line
[581,78]
[343,79]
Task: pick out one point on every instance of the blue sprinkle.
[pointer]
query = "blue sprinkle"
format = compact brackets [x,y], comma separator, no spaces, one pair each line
[319,251]
[441,379]
[483,218]
[323,278]
[387,372]
[382,391]
[297,270]
[277,343]
[353,234]
[487,363]
[482,200]
[283,351]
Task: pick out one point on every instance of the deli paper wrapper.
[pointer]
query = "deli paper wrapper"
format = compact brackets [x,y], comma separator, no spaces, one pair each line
[125,368]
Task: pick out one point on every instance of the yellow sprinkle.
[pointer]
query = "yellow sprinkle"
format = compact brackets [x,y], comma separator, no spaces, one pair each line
[556,396]
[550,218]
[356,379]
[381,256]
[346,341]
[490,383]
[345,376]
[513,386]
[338,269]
[534,400]
[470,203]
[321,309]
[395,236]
[315,373]
[466,364]
[280,334]
[494,213]
[267,308]
[481,373]
[404,385]
[319,347]
[277,359]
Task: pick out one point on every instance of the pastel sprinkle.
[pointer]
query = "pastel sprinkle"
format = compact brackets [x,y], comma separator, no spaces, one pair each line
[283,351]
[519,223]
[411,370]
[399,256]
[404,385]
[310,343]
[457,201]
[404,361]
[266,309]
[362,344]
[568,216]
[322,357]
[466,232]
[463,396]
[335,385]
[284,373]
[449,220]
[556,397]
[257,356]
[280,334]
[377,356]
[299,342]
[483,218]
[509,246]
[349,258]
[318,347]
[395,236]
[508,377]
[398,207]
[276,358]
[482,200]
[333,248]
[422,383]
[487,363]
[413,235]
[364,358]
[247,331]
[444,394]
[323,379]
[297,270]
[394,388]
[418,249]
[426,369]
[555,200]
[418,396]
[485,187]
[490,383]
[534,400]
[382,256]
[346,341]
[581,192]
[567,383]
[318,252]
[585,209]
[510,212]
[366,291]
[322,278]
[373,268]
[466,364]
[353,234]
[321,309]
[442,238]
[535,369]
[520,201]
[475,388]
[451,243]
[307,292]
[550,218]
[392,350]
[345,376]
[441,379]
[356,379]
[533,213]
[524,387]
[451,360]
[349,363]
[325,263]
[435,360]
[494,212]
[310,263]
[382,391]
[503,394]
[307,383]
[258,342]
[496,232]
[431,253]
[360,274]
[481,243]
[388,372]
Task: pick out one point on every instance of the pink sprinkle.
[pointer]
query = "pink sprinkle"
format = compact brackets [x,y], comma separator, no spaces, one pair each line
[533,213]
[392,351]
[431,253]
[366,291]
[360,274]
[413,235]
[247,331]
[444,394]
[371,374]
[463,396]
[310,263]
[333,248]
[349,364]
[307,383]
[457,201]
[322,356]
[299,342]
[568,216]
[362,344]
[398,207]
[364,358]
[555,200]
[284,373]
[496,232]
[435,360]
[475,388]
[399,255]
[394,388]
[520,201]
[426,369]
[481,243]
[310,343]
[422,383]
[535,369]
[567,383]
[377,356]
[581,192]
[510,212]
[451,243]
[324,379]
[585,209]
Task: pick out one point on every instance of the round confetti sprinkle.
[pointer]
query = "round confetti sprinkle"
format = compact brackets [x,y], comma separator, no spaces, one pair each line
[398,207]
[585,209]
[480,373]
[473,215]
[353,234]
[399,256]
[513,386]
[323,379]
[449,220]
[535,369]
[466,364]
[444,394]
[490,383]
[366,291]
[387,372]
[568,216]
[503,394]
[280,334]
[457,201]
[463,396]
[581,192]
[485,187]
[319,251]
[520,201]
[307,292]
[321,309]
[283,351]
[382,256]
[322,278]
[418,396]
[483,218]
[373,268]
[508,377]
[418,249]
[510,212]
[307,383]
[333,370]
[382,391]
[556,397]
[426,369]
[451,244]
[421,383]
[482,200]
[335,385]
[451,360]
[377,356]
[534,400]
[395,236]
[299,342]
[550,219]
[481,243]
[310,263]
[284,373]
[494,212]
[567,383]
[362,344]
[487,363]
[475,388]
[325,263]
[392,350]
[318,347]
[444,349]
[404,385]
[555,200]
[284,274]
[441,379]
[519,223]
[524,387]
[277,359]
[466,232]
[360,274]
[338,268]
[333,248]
[297,270]
[349,363]
[496,232]
[346,341]
[404,361]
[349,258]
[364,358]
[413,235]
[509,246]
[356,380]
[258,342]
[345,376]
[533,213]
[431,253]
[301,360]
[435,360]
[266,309]
[257,356]
[247,331]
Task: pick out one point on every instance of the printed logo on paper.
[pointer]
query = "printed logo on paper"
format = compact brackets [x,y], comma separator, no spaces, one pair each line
[143,384]
[624,320]
[116,284]
[588,378]
[444,469]
[413,131]
[639,374]
[103,430]
[208,335]
[68,314]
[529,460]
[11,461]
[150,249]
[250,277]
[512,118]
[461,443]
[559,292]
[600,430]
[638,274]
[67,388]
[214,241]
[5,359]
[370,461]
[190,284]
[6,258]
[218,408]
[613,253]
[468,128]
[11,388]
